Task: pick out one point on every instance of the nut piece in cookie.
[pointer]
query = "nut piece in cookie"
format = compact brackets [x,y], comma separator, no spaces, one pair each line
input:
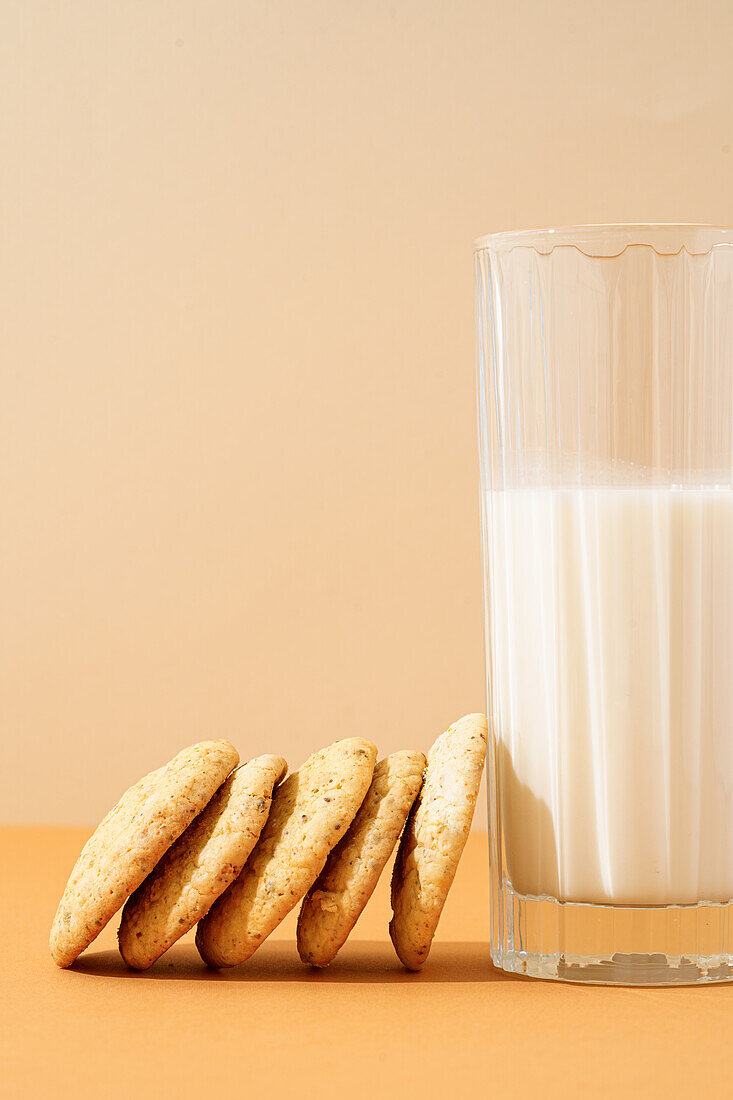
[311,812]
[201,864]
[435,836]
[334,903]
[134,835]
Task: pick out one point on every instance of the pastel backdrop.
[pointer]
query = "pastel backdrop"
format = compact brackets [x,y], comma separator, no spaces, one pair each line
[237,428]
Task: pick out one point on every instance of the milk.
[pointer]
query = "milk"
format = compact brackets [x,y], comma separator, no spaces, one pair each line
[610,636]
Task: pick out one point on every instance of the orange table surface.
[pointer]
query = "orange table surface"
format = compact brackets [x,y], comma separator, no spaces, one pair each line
[364,1027]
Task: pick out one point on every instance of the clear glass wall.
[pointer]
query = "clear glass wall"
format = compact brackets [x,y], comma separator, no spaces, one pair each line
[605,379]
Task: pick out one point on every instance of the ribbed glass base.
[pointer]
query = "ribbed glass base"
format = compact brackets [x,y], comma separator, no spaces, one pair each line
[612,945]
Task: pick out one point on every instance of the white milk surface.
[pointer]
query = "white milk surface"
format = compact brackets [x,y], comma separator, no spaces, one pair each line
[611,667]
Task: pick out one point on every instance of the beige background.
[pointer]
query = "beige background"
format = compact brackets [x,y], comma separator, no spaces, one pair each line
[237,444]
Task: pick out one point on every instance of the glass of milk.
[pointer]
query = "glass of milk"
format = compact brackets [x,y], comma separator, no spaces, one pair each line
[605,396]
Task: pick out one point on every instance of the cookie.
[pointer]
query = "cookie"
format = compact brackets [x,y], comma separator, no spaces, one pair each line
[130,841]
[310,813]
[334,903]
[434,837]
[200,865]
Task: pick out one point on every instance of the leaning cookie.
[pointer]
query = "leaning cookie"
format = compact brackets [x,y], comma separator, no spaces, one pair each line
[201,864]
[132,838]
[310,813]
[334,903]
[435,836]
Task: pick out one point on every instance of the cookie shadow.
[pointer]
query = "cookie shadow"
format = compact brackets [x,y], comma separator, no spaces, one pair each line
[362,962]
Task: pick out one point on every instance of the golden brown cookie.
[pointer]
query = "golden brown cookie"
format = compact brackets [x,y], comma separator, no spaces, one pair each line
[334,903]
[310,813]
[434,837]
[204,860]
[132,838]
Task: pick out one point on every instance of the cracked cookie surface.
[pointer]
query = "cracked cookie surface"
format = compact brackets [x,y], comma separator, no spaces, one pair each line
[311,811]
[435,836]
[131,839]
[335,901]
[201,864]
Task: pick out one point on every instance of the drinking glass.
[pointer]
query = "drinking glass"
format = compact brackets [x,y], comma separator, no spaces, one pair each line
[605,400]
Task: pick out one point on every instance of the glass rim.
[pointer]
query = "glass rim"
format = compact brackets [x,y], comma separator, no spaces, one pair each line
[666,238]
